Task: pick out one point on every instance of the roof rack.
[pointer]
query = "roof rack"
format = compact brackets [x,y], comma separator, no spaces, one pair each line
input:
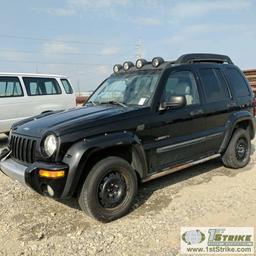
[203,57]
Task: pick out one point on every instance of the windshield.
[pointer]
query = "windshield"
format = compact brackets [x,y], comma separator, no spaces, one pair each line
[127,89]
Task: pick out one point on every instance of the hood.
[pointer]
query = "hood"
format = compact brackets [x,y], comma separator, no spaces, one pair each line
[63,122]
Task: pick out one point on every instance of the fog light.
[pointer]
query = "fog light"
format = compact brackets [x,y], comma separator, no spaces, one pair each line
[50,190]
[51,174]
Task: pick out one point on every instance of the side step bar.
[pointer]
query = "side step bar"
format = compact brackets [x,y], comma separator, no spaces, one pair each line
[178,168]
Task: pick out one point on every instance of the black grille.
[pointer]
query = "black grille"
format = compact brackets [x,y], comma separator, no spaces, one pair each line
[23,148]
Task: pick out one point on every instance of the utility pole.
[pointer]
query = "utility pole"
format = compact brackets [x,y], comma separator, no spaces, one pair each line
[139,47]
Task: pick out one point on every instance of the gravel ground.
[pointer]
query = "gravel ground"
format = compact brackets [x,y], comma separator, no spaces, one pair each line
[205,195]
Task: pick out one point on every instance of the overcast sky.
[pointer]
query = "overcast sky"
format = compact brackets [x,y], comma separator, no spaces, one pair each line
[83,39]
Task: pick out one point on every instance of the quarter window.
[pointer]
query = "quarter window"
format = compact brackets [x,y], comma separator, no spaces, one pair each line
[214,85]
[41,86]
[182,83]
[67,87]
[10,87]
[238,83]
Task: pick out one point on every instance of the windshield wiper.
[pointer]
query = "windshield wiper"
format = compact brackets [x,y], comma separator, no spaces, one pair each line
[90,102]
[113,102]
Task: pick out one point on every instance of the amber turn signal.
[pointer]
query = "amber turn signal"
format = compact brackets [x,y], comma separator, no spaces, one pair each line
[51,174]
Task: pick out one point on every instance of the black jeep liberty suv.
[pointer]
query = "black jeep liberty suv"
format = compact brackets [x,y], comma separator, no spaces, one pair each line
[144,121]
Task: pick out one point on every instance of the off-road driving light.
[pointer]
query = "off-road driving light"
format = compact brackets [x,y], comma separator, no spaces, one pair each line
[117,68]
[50,145]
[51,174]
[127,65]
[157,61]
[140,63]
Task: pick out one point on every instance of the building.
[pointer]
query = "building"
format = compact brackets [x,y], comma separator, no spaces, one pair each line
[251,76]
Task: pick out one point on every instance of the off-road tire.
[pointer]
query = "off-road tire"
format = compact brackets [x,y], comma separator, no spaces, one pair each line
[89,198]
[231,157]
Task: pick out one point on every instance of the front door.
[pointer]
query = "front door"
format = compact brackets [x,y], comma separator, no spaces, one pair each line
[178,134]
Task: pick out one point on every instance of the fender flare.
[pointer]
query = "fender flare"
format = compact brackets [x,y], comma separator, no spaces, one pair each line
[231,124]
[82,150]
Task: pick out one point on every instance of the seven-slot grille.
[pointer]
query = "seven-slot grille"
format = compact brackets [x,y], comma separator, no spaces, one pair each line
[23,148]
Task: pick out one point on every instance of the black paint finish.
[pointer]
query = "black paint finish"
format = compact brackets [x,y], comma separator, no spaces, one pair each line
[152,138]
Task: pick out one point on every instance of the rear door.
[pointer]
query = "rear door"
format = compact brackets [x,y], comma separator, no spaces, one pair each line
[218,104]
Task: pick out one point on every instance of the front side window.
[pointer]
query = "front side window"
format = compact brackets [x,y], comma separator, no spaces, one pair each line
[10,87]
[41,86]
[182,83]
[130,89]
[67,87]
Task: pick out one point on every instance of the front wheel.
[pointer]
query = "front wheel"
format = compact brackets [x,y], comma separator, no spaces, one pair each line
[109,189]
[238,152]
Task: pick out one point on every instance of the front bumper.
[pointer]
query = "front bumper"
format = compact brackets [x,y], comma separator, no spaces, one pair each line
[14,170]
[28,175]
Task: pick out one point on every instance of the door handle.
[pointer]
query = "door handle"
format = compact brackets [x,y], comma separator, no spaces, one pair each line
[231,105]
[197,112]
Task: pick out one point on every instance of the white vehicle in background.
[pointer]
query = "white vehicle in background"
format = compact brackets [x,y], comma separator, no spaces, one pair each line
[24,95]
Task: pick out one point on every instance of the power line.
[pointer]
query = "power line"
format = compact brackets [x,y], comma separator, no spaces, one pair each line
[58,41]
[56,53]
[54,63]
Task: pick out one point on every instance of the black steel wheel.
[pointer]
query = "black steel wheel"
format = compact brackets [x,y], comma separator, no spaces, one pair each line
[241,149]
[112,189]
[109,189]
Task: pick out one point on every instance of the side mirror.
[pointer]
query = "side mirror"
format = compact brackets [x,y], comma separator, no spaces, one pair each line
[174,102]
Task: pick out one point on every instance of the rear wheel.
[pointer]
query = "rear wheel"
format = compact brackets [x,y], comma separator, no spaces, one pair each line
[109,189]
[238,152]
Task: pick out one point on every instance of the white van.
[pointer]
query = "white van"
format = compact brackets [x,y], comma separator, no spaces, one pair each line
[25,95]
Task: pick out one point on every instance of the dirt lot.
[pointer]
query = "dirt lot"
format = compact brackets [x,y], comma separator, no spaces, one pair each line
[205,195]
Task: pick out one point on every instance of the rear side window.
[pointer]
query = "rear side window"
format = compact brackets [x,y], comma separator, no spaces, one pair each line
[10,87]
[214,85]
[41,86]
[237,82]
[67,87]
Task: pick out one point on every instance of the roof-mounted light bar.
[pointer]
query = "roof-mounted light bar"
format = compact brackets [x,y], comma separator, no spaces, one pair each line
[127,65]
[140,63]
[157,61]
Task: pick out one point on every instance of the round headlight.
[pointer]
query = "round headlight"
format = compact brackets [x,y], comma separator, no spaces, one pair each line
[127,65]
[10,134]
[157,61]
[140,63]
[50,145]
[117,68]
